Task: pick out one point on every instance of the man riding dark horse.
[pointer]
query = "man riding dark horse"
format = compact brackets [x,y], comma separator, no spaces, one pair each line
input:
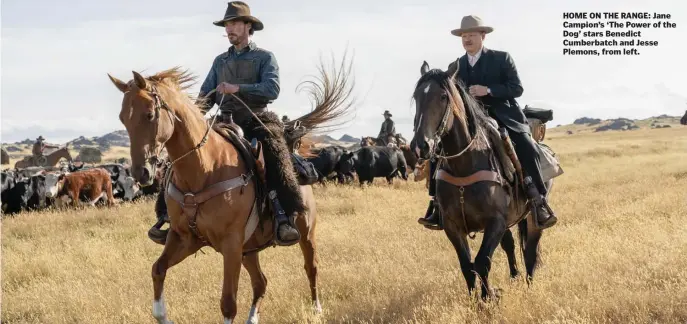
[493,80]
[252,74]
[388,131]
[38,149]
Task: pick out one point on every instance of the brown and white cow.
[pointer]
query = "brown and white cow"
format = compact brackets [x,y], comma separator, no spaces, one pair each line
[421,172]
[94,183]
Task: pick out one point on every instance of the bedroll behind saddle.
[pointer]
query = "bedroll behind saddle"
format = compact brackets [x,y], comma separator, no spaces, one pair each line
[307,174]
[537,119]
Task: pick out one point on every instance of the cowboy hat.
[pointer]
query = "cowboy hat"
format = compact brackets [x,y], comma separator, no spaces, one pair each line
[40,137]
[387,113]
[472,23]
[239,10]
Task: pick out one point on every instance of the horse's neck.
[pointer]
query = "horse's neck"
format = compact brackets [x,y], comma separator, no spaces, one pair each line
[454,143]
[191,168]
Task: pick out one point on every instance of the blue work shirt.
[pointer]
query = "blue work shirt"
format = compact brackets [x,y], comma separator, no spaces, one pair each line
[267,71]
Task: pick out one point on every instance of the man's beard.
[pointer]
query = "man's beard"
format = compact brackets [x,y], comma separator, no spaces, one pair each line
[234,39]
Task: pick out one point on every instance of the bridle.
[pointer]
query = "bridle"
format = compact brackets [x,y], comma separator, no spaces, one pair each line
[441,131]
[159,104]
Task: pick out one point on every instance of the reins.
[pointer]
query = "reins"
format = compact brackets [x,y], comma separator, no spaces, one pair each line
[160,104]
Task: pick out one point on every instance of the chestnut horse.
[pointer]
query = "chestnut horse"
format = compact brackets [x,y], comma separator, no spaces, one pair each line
[475,190]
[209,172]
[51,159]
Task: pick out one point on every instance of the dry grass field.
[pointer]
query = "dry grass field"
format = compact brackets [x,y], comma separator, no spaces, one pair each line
[617,255]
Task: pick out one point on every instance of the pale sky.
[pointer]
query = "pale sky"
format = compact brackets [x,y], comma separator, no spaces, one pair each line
[56,56]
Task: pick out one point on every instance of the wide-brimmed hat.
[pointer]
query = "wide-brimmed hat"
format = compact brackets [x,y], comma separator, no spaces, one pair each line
[239,10]
[40,138]
[472,23]
[387,113]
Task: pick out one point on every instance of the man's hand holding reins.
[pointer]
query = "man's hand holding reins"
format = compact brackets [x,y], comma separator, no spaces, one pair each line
[227,88]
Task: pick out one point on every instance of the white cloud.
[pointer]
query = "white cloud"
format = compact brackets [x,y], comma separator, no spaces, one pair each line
[55,77]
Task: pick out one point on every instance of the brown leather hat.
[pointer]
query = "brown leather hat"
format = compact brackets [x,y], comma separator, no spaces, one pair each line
[239,10]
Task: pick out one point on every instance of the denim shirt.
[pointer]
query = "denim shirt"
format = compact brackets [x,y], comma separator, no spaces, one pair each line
[268,72]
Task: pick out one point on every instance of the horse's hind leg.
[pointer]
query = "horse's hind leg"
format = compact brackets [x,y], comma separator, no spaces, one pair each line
[259,282]
[309,249]
[175,251]
[508,245]
[531,246]
[493,234]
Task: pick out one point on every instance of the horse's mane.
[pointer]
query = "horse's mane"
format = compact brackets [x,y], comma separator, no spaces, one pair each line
[466,109]
[179,80]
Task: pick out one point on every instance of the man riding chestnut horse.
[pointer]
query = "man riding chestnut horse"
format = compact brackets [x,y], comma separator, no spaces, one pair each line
[252,74]
[38,149]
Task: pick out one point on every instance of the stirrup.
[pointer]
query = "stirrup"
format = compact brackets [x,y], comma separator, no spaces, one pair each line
[280,242]
[552,220]
[157,235]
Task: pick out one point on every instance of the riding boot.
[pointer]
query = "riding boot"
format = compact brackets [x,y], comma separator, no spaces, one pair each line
[432,219]
[286,233]
[545,217]
[155,233]
[534,184]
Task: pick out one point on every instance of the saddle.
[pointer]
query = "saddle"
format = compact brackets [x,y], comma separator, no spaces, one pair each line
[508,162]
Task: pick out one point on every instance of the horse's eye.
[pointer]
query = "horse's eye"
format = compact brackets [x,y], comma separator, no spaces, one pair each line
[444,96]
[151,116]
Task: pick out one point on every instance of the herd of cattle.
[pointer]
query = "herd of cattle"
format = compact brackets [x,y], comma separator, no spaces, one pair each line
[36,188]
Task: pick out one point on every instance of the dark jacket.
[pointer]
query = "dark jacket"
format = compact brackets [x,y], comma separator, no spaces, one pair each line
[496,70]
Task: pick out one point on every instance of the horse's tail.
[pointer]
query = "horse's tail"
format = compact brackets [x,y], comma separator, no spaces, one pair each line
[331,93]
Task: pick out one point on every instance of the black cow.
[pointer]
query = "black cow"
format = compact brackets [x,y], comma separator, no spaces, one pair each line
[123,184]
[370,162]
[25,193]
[328,161]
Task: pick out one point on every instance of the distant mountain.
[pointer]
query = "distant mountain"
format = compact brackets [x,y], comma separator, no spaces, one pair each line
[620,124]
[116,138]
[348,138]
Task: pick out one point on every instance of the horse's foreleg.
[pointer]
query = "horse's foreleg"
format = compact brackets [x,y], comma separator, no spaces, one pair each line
[175,251]
[309,249]
[493,233]
[259,283]
[460,244]
[508,245]
[231,251]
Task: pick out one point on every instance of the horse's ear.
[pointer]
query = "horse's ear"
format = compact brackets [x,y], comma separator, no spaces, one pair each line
[453,69]
[424,68]
[123,87]
[140,81]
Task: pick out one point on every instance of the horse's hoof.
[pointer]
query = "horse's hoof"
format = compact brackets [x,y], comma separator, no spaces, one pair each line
[253,320]
[317,308]
[496,294]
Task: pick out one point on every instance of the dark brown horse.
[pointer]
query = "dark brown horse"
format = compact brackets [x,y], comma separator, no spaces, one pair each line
[683,120]
[470,195]
[220,207]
